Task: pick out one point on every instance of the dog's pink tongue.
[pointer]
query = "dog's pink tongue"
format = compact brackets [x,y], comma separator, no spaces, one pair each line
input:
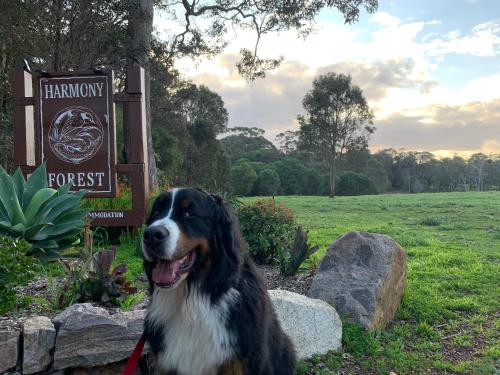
[166,272]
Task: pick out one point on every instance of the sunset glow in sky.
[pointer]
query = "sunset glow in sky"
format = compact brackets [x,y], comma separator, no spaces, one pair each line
[430,70]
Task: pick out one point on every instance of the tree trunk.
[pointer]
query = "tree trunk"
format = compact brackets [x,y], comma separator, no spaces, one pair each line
[140,27]
[332,169]
[57,37]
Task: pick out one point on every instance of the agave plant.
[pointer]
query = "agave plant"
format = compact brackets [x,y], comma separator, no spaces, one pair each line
[298,252]
[49,219]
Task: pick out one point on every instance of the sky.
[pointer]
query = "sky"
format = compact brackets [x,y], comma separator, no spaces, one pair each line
[430,70]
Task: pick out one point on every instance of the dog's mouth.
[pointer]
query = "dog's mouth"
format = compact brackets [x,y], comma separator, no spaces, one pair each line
[166,273]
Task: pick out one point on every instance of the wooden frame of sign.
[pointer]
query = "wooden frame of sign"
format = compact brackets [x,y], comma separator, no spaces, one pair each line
[67,119]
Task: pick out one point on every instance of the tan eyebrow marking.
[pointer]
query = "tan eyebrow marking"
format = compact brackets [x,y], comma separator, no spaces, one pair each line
[186,203]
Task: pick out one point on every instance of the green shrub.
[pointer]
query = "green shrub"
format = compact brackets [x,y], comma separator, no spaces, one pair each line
[15,269]
[297,253]
[352,183]
[49,219]
[268,228]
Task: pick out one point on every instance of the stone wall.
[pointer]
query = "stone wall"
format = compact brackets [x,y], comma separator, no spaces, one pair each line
[86,339]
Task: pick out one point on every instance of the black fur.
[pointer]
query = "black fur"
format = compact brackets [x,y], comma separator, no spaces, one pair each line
[262,346]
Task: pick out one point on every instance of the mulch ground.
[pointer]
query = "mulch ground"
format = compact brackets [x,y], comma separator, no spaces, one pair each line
[298,283]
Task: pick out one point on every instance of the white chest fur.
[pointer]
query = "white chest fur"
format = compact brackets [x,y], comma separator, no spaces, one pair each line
[196,338]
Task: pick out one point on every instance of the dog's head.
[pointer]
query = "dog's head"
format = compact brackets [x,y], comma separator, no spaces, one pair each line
[191,235]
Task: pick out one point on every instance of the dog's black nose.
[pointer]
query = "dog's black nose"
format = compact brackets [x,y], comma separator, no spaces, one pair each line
[156,234]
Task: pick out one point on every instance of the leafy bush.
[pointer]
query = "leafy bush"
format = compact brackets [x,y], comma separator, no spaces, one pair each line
[50,220]
[15,269]
[297,253]
[352,183]
[268,228]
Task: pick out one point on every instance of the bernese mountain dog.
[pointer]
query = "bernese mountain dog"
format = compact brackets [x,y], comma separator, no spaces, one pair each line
[210,313]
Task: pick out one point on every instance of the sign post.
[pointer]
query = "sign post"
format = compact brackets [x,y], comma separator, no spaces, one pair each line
[69,123]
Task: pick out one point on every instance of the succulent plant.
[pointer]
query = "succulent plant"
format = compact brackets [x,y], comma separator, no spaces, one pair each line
[49,219]
[102,283]
[297,253]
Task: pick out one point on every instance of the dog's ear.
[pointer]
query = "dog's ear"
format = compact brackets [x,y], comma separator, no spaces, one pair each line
[228,245]
[227,230]
[159,200]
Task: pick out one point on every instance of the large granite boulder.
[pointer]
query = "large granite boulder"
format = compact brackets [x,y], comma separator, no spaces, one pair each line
[313,325]
[9,348]
[39,336]
[363,276]
[89,336]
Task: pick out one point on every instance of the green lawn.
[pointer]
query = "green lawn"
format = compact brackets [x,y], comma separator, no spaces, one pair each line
[449,320]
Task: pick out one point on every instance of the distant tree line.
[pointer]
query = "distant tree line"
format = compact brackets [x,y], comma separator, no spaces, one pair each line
[260,168]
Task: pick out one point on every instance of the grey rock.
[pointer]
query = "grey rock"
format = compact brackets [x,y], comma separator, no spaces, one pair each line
[79,308]
[39,336]
[313,325]
[363,276]
[9,348]
[90,336]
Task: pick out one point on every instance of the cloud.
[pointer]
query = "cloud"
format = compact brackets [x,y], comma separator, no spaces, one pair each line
[483,40]
[384,19]
[376,78]
[274,102]
[271,104]
[469,128]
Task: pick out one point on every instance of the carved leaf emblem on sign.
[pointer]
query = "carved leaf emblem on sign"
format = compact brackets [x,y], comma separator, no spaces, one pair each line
[75,134]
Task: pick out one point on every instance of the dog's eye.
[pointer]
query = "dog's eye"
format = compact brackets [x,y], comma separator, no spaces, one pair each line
[187,213]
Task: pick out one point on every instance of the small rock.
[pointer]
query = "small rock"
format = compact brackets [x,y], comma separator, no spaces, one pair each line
[39,336]
[313,325]
[9,343]
[89,336]
[79,308]
[363,276]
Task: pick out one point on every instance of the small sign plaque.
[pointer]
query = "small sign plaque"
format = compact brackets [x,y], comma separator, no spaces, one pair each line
[76,134]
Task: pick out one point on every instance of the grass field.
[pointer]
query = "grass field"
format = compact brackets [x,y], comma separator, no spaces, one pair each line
[449,320]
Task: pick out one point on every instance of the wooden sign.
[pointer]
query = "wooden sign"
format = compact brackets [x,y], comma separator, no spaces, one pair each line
[68,122]
[75,116]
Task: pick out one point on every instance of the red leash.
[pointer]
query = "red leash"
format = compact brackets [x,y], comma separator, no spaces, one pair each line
[133,361]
